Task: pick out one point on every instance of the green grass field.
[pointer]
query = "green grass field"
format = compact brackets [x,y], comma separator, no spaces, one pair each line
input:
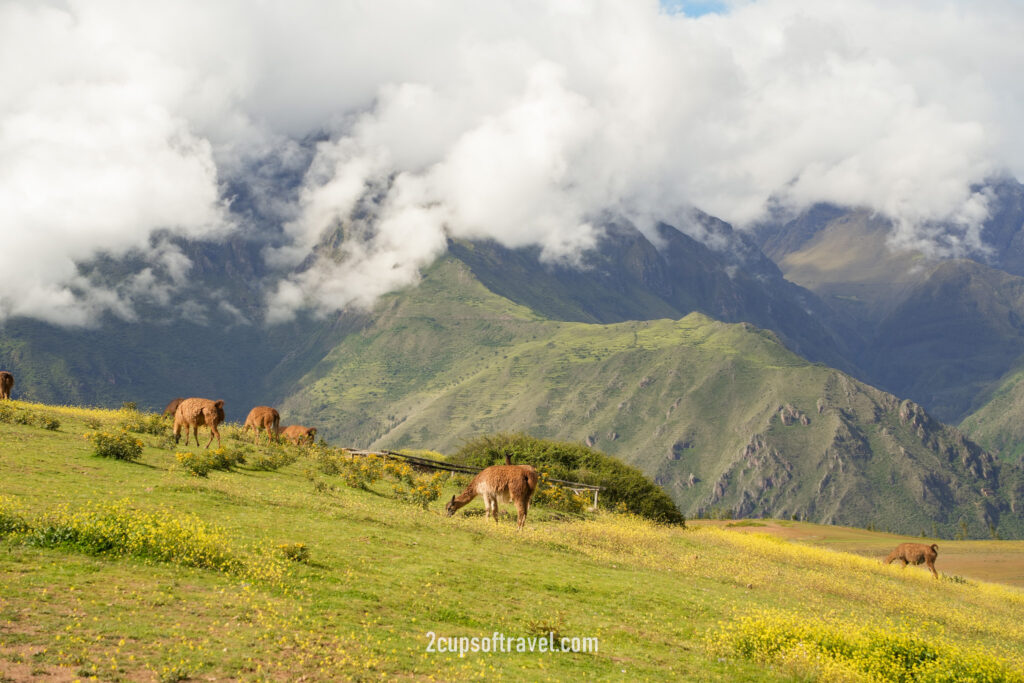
[664,603]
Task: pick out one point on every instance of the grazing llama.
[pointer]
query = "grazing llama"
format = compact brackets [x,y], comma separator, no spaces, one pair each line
[299,435]
[504,483]
[263,417]
[193,413]
[915,553]
[6,384]
[172,407]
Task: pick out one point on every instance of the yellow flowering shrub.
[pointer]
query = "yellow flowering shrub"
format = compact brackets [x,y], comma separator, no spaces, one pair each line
[118,529]
[807,646]
[132,420]
[328,460]
[120,445]
[422,489]
[273,457]
[199,464]
[361,471]
[12,519]
[400,471]
[296,552]
[557,497]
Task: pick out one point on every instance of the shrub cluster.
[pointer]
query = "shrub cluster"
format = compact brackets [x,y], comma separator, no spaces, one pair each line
[558,497]
[11,519]
[296,552]
[117,529]
[273,457]
[329,461]
[575,462]
[119,445]
[360,472]
[200,464]
[131,420]
[420,489]
[12,415]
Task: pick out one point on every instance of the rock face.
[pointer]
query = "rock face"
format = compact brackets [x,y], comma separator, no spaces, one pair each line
[875,453]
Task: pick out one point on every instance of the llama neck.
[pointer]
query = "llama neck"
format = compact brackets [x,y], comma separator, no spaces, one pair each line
[465,497]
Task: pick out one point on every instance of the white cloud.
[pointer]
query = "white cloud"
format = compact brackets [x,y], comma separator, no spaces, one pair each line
[521,120]
[92,160]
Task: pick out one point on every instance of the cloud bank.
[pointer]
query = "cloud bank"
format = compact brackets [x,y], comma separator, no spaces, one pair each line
[526,121]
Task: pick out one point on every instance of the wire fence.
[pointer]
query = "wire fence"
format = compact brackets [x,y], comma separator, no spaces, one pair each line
[576,487]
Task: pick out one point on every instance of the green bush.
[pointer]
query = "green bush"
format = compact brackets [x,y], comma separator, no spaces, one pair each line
[575,462]
[140,423]
[296,552]
[328,460]
[197,464]
[200,464]
[11,518]
[272,458]
[120,445]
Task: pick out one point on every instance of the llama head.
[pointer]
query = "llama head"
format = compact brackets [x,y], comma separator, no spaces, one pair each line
[450,508]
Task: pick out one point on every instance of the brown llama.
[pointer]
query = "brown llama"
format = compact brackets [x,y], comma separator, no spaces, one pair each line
[193,413]
[504,483]
[6,384]
[263,417]
[298,434]
[915,553]
[172,407]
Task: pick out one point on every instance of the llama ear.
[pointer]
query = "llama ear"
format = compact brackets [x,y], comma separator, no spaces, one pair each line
[453,498]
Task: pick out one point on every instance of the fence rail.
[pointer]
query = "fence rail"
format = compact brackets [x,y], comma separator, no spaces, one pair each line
[576,487]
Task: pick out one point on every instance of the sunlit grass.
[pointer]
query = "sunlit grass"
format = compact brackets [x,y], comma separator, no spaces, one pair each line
[149,573]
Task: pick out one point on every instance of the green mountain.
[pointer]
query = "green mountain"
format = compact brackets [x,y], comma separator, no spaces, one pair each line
[632,276]
[208,340]
[997,425]
[723,416]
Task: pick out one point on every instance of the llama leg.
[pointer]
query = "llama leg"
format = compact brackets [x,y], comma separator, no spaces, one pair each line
[931,565]
[214,433]
[521,508]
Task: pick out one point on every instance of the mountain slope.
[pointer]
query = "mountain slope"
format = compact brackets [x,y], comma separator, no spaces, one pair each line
[999,424]
[207,339]
[721,414]
[632,277]
[940,332]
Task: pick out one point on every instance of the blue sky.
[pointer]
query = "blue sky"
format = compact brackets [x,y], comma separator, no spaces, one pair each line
[694,8]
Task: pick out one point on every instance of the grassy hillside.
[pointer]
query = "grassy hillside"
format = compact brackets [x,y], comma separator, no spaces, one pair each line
[665,603]
[723,416]
[999,423]
[992,560]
